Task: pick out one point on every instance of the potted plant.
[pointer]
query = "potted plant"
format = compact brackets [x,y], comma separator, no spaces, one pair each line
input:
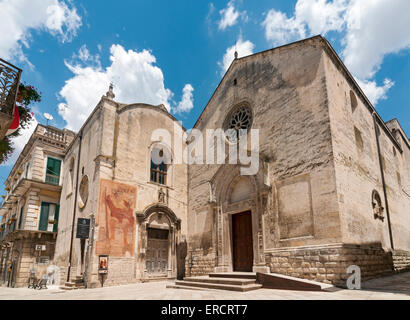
[19,172]
[51,221]
[13,219]
[3,196]
[7,189]
[27,94]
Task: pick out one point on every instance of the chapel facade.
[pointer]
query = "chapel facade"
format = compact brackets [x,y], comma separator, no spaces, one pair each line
[331,189]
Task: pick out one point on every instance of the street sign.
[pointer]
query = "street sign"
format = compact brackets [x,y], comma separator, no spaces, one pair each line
[83,228]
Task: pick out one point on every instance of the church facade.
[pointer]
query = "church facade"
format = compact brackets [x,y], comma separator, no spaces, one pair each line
[331,188]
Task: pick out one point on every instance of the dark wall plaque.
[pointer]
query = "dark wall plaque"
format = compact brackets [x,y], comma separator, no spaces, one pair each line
[83,228]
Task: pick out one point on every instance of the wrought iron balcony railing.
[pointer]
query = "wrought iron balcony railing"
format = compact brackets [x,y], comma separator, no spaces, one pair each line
[9,82]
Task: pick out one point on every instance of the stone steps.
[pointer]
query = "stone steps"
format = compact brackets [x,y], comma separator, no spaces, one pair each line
[237,275]
[220,280]
[241,282]
[75,283]
[230,287]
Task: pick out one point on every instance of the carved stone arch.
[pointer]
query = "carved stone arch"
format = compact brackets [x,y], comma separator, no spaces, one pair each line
[223,179]
[162,209]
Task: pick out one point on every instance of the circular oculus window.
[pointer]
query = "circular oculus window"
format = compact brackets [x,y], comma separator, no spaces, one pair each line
[83,192]
[238,122]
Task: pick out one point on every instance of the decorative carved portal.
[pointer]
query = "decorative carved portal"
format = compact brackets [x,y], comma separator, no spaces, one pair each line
[159,232]
[233,195]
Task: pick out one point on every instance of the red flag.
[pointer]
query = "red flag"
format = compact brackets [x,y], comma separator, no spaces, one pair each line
[16,122]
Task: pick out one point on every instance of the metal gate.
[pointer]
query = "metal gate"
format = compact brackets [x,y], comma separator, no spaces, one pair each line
[157,252]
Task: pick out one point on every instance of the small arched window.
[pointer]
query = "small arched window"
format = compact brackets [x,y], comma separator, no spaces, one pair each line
[160,159]
[70,176]
[353,101]
[377,206]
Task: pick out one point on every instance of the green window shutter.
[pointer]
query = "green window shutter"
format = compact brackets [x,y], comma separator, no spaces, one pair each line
[45,209]
[53,171]
[53,166]
[56,214]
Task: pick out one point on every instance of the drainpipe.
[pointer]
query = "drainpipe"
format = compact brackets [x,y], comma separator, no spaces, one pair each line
[89,249]
[376,128]
[75,206]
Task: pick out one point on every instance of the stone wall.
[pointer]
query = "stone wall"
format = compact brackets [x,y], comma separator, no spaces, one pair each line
[329,263]
[357,166]
[202,263]
[401,260]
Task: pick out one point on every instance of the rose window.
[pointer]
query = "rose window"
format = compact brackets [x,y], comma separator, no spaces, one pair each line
[238,122]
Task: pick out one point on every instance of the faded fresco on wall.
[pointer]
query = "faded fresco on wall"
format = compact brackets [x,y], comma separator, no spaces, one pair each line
[116,222]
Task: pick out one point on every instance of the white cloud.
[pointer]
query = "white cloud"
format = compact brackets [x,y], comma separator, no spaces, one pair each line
[18,18]
[86,57]
[374,92]
[244,48]
[370,30]
[321,16]
[187,102]
[279,29]
[310,17]
[229,16]
[375,29]
[135,76]
[19,142]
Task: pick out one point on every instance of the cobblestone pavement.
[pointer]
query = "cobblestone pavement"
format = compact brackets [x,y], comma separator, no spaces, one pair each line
[395,287]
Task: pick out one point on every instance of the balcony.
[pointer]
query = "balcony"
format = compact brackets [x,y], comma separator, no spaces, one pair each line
[52,179]
[9,81]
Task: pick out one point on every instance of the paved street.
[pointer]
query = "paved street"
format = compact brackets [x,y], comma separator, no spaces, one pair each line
[395,287]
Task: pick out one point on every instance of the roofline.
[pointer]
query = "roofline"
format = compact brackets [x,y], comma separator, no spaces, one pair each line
[333,54]
[155,108]
[402,132]
[372,109]
[122,106]
[248,56]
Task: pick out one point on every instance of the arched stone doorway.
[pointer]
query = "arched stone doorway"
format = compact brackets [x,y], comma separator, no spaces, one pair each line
[159,232]
[238,205]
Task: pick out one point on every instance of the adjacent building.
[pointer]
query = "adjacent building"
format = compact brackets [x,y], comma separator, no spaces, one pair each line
[30,211]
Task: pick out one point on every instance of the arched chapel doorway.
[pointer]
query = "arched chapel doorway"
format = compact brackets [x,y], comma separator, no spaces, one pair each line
[159,232]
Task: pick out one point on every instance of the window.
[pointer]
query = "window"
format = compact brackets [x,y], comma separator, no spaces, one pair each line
[83,191]
[13,223]
[21,217]
[359,139]
[53,171]
[2,229]
[43,260]
[27,168]
[49,217]
[377,206]
[398,178]
[240,118]
[353,101]
[158,166]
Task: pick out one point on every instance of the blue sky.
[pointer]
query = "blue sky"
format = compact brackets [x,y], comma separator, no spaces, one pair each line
[175,52]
